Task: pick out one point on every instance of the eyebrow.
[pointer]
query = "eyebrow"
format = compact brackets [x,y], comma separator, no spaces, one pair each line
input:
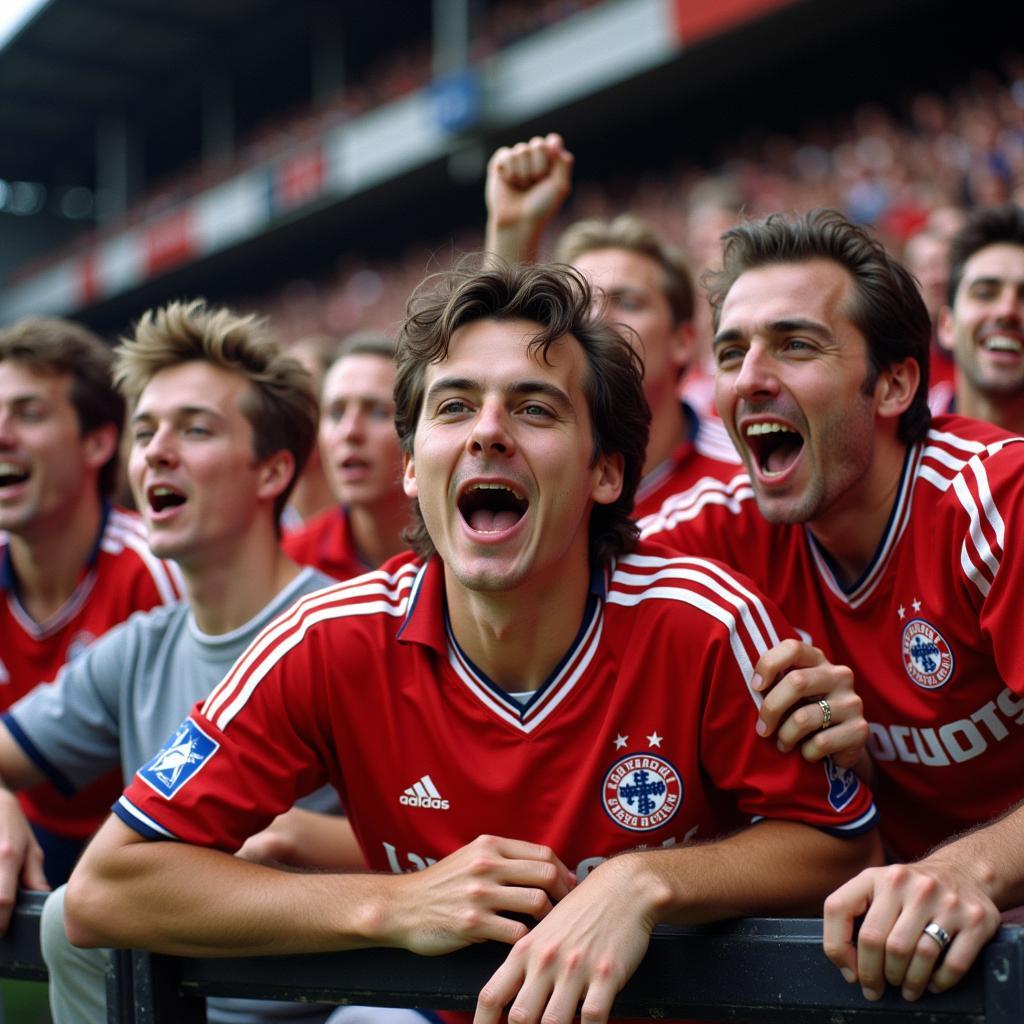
[180,412]
[517,388]
[787,326]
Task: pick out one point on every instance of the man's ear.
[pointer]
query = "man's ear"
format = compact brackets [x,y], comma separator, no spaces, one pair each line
[608,474]
[684,341]
[896,387]
[944,331]
[275,473]
[99,445]
[409,476]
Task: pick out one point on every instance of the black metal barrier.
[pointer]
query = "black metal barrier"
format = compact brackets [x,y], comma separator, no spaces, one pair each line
[20,955]
[759,969]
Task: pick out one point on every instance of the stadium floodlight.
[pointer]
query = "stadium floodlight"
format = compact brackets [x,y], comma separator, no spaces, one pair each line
[14,14]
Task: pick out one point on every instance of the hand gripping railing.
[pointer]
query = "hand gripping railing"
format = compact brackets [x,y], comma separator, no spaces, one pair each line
[757,969]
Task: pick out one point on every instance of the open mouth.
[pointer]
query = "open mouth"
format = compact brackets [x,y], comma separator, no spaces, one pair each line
[11,474]
[492,508]
[775,446]
[1003,343]
[161,498]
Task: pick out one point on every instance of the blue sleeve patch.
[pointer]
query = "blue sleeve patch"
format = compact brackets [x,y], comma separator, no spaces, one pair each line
[179,759]
[843,784]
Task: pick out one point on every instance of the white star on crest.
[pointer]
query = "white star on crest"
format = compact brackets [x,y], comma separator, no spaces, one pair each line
[916,605]
[654,739]
[621,741]
[901,612]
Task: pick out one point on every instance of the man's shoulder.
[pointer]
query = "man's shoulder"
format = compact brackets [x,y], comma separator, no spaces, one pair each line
[962,456]
[126,560]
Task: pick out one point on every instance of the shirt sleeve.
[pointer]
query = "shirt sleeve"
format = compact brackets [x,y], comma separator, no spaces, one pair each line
[244,755]
[69,727]
[988,554]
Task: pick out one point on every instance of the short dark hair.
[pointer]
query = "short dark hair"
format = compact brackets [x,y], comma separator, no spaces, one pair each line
[632,234]
[49,345]
[281,404]
[887,307]
[988,225]
[557,299]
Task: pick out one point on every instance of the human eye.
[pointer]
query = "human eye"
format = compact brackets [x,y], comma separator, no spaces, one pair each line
[197,429]
[141,434]
[799,346]
[453,407]
[536,410]
[382,413]
[727,356]
[32,412]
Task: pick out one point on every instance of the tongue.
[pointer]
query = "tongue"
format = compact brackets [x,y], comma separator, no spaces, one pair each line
[486,521]
[779,458]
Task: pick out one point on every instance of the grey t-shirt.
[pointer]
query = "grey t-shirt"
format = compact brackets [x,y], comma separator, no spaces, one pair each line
[118,702]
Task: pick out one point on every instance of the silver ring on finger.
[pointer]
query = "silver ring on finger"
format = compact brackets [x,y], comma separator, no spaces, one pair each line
[826,713]
[935,931]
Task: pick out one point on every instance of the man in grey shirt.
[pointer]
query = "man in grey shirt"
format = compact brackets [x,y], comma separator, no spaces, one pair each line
[221,425]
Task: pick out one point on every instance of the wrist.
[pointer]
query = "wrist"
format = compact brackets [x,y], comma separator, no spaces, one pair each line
[638,877]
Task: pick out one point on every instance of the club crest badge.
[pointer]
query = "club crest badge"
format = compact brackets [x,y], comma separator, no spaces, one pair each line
[641,792]
[179,760]
[842,784]
[926,655]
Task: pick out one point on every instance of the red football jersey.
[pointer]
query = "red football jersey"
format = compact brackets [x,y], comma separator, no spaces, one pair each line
[710,453]
[122,577]
[327,544]
[643,736]
[932,629]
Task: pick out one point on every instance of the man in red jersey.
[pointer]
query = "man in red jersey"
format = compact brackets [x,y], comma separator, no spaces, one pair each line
[983,325]
[889,539]
[362,458]
[536,696]
[71,565]
[642,283]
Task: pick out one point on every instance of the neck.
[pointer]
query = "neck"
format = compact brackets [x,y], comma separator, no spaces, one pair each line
[226,592]
[517,638]
[852,530]
[668,426]
[1006,411]
[49,561]
[377,530]
[311,494]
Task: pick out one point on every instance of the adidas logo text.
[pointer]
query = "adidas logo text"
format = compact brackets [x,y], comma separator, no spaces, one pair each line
[423,794]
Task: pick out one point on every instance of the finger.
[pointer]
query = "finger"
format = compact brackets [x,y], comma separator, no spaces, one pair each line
[540,875]
[884,946]
[783,656]
[843,743]
[539,158]
[32,874]
[597,1005]
[564,998]
[500,989]
[919,969]
[841,909]
[962,952]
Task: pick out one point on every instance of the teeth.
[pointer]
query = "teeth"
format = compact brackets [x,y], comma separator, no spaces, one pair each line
[1001,343]
[10,469]
[497,487]
[161,492]
[756,429]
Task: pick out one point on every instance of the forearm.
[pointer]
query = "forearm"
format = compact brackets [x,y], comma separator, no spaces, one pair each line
[992,856]
[773,868]
[517,242]
[203,902]
[17,770]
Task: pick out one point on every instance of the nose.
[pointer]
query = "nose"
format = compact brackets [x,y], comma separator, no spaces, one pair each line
[491,433]
[160,449]
[756,377]
[1010,303]
[6,428]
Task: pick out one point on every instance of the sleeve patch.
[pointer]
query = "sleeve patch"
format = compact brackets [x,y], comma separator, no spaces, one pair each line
[842,784]
[179,760]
